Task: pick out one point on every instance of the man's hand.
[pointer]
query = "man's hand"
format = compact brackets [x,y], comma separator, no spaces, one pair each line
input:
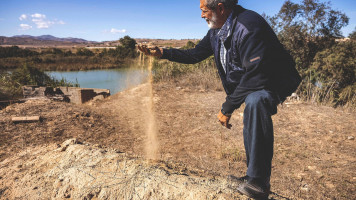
[224,120]
[150,51]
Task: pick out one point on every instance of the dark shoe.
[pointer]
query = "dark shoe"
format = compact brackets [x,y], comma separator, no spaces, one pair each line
[255,188]
[234,182]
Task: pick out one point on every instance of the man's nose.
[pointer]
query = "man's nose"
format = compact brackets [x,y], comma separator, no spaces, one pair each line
[202,15]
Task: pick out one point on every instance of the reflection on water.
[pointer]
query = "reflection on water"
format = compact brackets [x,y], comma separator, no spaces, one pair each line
[115,80]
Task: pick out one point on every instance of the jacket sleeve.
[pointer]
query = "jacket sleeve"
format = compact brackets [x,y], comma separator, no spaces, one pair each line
[255,59]
[191,56]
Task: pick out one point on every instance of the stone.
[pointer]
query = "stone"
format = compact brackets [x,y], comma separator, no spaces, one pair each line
[305,188]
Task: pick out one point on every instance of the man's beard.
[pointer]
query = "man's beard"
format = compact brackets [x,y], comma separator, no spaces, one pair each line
[212,22]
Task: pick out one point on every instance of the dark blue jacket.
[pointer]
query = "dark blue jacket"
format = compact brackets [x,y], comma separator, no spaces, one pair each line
[255,59]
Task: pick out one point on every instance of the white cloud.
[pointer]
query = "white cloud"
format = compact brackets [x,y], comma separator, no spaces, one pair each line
[114,31]
[25,27]
[39,20]
[39,16]
[41,23]
[23,17]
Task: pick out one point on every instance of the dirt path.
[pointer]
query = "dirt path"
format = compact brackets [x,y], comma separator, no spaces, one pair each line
[315,150]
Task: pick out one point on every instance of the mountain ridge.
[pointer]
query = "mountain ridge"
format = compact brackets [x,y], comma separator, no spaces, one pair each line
[51,38]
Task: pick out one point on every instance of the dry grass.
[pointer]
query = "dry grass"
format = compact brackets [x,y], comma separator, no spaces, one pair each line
[201,76]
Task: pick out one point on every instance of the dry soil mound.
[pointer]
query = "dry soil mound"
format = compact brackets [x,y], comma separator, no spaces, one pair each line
[81,171]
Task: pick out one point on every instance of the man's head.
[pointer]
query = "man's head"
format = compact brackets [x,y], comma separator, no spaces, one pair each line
[215,12]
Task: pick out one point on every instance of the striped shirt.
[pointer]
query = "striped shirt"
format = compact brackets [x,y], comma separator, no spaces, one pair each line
[224,32]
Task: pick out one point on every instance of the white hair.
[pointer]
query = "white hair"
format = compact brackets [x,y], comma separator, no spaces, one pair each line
[212,4]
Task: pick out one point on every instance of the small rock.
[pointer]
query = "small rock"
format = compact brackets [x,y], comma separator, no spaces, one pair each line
[351,138]
[300,176]
[69,142]
[329,185]
[312,168]
[305,188]
[319,175]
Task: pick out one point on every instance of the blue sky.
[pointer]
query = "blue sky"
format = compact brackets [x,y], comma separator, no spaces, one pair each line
[103,20]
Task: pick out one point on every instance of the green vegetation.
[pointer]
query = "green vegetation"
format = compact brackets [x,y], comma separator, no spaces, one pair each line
[352,35]
[67,60]
[333,74]
[309,31]
[306,29]
[11,82]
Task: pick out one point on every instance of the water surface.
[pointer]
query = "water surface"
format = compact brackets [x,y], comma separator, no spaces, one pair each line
[115,80]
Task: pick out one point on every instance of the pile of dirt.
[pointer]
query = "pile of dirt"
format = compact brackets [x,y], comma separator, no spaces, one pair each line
[315,149]
[82,171]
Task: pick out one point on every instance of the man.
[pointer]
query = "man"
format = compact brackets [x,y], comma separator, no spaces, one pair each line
[254,69]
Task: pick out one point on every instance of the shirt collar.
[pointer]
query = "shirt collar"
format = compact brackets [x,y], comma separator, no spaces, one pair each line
[226,28]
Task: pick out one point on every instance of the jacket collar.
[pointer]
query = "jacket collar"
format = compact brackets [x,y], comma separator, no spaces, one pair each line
[225,30]
[235,13]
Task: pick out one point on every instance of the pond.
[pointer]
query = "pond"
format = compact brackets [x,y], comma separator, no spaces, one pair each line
[115,80]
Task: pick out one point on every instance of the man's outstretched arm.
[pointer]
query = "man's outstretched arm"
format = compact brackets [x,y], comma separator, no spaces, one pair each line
[190,56]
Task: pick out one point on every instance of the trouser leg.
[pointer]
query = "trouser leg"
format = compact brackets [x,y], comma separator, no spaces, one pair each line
[258,132]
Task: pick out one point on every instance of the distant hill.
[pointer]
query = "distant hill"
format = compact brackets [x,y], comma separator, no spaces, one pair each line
[43,40]
[52,38]
[49,41]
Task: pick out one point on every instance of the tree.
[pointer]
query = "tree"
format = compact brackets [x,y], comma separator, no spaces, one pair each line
[127,42]
[307,28]
[336,68]
[337,64]
[352,35]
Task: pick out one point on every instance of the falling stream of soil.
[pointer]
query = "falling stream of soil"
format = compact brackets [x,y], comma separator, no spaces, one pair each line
[151,145]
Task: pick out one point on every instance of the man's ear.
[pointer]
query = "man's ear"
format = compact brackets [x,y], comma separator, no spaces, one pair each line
[220,8]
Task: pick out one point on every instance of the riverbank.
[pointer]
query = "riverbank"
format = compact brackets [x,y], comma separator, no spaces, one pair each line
[55,59]
[314,145]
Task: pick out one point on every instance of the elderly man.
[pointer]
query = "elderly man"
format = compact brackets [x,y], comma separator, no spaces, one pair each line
[254,69]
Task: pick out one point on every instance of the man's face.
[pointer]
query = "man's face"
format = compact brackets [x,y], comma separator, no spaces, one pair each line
[211,16]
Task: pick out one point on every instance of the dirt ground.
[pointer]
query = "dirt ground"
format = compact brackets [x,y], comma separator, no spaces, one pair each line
[314,150]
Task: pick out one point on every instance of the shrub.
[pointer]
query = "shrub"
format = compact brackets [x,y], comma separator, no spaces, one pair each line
[84,52]
[334,69]
[11,83]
